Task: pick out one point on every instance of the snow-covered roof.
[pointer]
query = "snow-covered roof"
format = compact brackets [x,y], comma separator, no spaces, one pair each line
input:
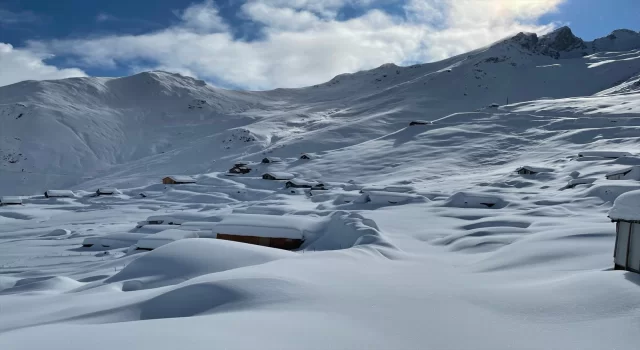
[273,159]
[164,237]
[604,154]
[621,171]
[60,193]
[274,226]
[107,190]
[182,178]
[536,169]
[626,207]
[581,181]
[280,175]
[10,200]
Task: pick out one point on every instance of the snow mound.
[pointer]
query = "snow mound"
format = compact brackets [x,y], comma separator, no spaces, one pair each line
[57,233]
[475,200]
[113,241]
[346,230]
[185,259]
[582,181]
[609,193]
[43,285]
[161,238]
[384,197]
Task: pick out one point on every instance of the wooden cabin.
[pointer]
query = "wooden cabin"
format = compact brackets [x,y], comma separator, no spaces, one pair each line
[178,179]
[273,242]
[275,231]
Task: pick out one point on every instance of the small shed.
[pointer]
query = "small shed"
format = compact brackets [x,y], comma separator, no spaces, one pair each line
[282,232]
[10,200]
[106,191]
[531,170]
[306,156]
[268,160]
[299,183]
[626,214]
[632,173]
[178,179]
[59,194]
[276,175]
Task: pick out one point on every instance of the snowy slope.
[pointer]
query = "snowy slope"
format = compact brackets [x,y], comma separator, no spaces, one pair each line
[446,248]
[60,132]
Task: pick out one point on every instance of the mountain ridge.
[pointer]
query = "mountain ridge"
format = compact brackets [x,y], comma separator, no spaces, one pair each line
[56,133]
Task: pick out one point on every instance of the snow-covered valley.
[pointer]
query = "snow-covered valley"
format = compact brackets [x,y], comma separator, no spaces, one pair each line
[423,236]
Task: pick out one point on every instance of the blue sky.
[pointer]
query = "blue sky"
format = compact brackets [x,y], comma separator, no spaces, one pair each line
[260,44]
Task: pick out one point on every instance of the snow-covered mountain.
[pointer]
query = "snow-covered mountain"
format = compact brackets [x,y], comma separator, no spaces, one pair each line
[425,236]
[55,133]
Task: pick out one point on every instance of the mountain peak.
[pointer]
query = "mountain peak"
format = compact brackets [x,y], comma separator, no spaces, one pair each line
[559,40]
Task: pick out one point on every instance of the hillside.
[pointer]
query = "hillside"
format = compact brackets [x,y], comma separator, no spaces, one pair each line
[422,236]
[57,133]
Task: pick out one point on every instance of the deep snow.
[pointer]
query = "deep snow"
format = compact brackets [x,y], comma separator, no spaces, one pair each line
[425,236]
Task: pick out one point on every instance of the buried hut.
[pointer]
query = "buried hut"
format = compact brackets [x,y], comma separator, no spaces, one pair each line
[178,179]
[10,200]
[59,194]
[240,167]
[299,183]
[531,170]
[276,175]
[632,173]
[306,156]
[269,160]
[106,191]
[282,232]
[626,214]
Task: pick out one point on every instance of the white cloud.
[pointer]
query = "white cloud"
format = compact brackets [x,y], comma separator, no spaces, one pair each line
[11,18]
[105,17]
[203,18]
[17,65]
[304,43]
